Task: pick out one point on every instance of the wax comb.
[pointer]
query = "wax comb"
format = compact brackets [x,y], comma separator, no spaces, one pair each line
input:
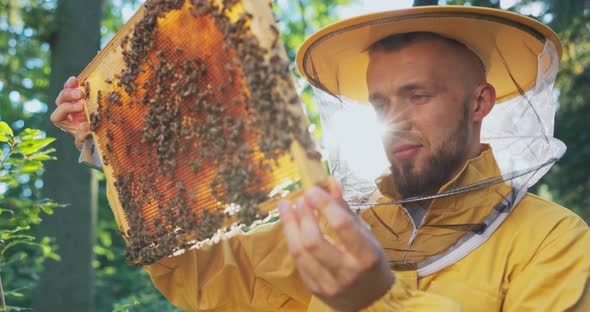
[198,125]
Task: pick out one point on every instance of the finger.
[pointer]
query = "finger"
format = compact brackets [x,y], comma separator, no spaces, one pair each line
[72,82]
[69,95]
[345,225]
[334,187]
[335,190]
[319,281]
[81,134]
[78,117]
[317,278]
[310,283]
[60,114]
[316,244]
[290,223]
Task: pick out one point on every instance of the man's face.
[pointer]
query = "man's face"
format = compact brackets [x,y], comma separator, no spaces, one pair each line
[421,95]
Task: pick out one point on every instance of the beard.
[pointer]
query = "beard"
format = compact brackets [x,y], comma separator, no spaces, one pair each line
[438,168]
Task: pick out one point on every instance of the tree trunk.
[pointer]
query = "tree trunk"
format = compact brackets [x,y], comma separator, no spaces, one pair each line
[68,285]
[425,2]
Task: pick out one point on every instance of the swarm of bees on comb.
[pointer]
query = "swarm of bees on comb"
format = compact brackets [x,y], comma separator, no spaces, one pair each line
[197,121]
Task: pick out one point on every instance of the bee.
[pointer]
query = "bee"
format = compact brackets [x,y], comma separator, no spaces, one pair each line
[109,135]
[114,98]
[180,187]
[86,90]
[149,62]
[124,41]
[275,31]
[94,121]
[195,165]
[99,100]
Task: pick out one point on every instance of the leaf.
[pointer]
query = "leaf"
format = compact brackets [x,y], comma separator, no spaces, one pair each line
[47,210]
[29,134]
[15,243]
[4,137]
[46,151]
[14,294]
[32,146]
[4,127]
[41,157]
[2,210]
[51,204]
[17,229]
[121,307]
[17,237]
[48,251]
[31,167]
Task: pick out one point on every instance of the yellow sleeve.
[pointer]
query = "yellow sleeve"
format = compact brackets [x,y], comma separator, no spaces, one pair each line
[251,271]
[556,277]
[246,272]
[401,297]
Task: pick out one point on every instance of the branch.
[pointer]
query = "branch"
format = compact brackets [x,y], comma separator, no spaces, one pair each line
[2,296]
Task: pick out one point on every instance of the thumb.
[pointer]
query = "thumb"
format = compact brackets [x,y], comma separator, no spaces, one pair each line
[71,83]
[335,191]
[334,187]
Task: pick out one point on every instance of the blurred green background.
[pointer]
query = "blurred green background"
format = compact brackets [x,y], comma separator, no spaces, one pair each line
[73,260]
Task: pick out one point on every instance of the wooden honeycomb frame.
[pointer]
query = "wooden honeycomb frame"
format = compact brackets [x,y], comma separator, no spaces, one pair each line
[193,109]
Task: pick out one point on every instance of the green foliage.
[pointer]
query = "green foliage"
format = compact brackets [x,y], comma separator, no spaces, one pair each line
[298,19]
[113,18]
[25,33]
[145,301]
[21,253]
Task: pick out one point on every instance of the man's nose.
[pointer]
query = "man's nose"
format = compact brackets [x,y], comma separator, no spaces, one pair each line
[397,118]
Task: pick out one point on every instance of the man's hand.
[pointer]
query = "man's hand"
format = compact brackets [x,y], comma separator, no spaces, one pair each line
[348,275]
[69,114]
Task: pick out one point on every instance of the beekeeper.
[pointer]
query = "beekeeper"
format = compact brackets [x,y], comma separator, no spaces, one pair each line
[465,97]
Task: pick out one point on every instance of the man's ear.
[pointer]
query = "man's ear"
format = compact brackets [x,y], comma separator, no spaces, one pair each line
[485,100]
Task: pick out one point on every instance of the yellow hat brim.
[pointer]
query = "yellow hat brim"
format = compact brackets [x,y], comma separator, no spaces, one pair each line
[335,58]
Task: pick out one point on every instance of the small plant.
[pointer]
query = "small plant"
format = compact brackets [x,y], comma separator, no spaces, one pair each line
[21,253]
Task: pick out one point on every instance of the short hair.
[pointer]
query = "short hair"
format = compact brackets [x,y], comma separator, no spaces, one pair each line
[397,42]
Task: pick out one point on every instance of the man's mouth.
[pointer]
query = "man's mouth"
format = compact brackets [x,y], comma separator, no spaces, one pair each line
[406,151]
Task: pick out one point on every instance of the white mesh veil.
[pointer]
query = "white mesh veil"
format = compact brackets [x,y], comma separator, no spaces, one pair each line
[520,133]
[519,130]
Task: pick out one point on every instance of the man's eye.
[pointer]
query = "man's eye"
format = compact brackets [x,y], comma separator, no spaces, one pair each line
[419,98]
[379,108]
